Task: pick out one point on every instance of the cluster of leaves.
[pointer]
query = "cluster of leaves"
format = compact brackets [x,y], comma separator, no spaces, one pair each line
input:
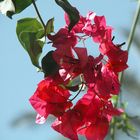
[70,68]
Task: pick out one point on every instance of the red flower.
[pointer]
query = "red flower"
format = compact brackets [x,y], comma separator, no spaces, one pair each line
[50,98]
[97,130]
[68,124]
[82,55]
[100,29]
[63,55]
[91,107]
[92,69]
[88,28]
[82,106]
[84,25]
[96,114]
[70,65]
[79,26]
[107,83]
[63,38]
[117,59]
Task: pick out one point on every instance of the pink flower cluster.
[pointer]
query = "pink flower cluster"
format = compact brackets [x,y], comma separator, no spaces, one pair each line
[92,114]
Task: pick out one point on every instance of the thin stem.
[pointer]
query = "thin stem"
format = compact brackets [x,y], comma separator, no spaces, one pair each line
[129,43]
[113,38]
[77,93]
[133,28]
[120,45]
[37,11]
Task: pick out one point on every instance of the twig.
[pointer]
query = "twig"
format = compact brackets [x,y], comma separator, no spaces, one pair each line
[77,93]
[37,11]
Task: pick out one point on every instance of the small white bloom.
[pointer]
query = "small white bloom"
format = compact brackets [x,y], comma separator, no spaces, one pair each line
[7,5]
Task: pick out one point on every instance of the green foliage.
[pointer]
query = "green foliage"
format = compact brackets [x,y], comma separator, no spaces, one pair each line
[70,10]
[29,31]
[124,123]
[49,65]
[49,26]
[20,5]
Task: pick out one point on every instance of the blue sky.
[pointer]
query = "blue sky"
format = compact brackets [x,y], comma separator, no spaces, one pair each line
[18,77]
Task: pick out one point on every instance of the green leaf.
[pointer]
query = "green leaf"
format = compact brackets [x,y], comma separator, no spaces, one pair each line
[50,26]
[21,4]
[49,65]
[71,11]
[73,88]
[29,32]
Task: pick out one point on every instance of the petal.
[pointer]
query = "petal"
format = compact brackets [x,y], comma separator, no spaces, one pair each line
[82,55]
[100,21]
[68,124]
[90,16]
[63,38]
[38,104]
[97,131]
[40,119]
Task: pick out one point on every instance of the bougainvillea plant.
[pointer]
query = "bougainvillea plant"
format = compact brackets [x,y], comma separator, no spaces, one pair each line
[70,72]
